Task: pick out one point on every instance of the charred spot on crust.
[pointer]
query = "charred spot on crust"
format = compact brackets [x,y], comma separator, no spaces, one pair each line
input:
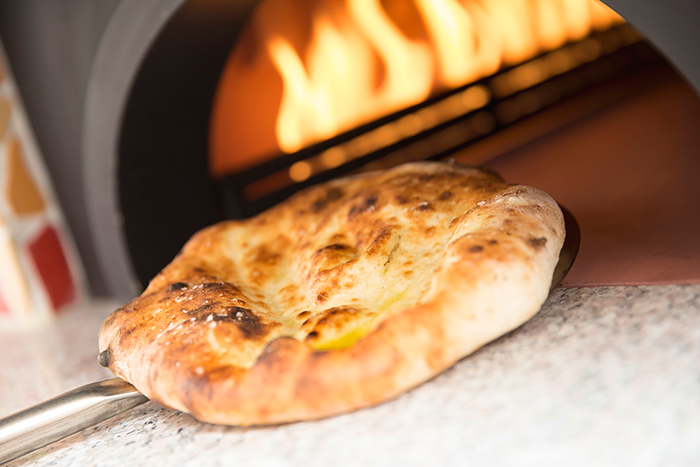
[368,204]
[425,206]
[401,199]
[537,243]
[445,195]
[322,297]
[390,256]
[335,321]
[331,195]
[125,334]
[379,241]
[248,323]
[220,287]
[476,249]
[263,255]
[203,309]
[333,247]
[492,242]
[312,335]
[104,358]
[177,286]
[303,314]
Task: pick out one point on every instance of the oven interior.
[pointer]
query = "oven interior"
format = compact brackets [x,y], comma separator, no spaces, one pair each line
[586,110]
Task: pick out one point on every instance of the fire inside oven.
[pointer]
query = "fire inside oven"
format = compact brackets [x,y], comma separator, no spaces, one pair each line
[310,90]
[438,73]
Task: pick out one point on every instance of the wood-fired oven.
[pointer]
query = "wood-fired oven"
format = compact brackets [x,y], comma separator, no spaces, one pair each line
[207,110]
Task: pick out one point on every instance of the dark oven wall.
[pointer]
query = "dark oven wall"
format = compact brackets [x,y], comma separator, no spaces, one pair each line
[164,189]
[145,134]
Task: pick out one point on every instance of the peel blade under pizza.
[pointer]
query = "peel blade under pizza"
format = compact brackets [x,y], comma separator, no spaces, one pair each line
[345,295]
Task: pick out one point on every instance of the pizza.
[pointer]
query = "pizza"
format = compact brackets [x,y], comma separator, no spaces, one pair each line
[343,296]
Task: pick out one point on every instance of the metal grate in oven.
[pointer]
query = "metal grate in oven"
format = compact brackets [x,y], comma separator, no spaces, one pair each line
[442,125]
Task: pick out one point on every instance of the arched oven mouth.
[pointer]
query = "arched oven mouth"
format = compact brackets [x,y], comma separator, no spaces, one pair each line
[165,190]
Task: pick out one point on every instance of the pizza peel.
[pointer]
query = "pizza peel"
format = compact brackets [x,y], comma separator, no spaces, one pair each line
[64,415]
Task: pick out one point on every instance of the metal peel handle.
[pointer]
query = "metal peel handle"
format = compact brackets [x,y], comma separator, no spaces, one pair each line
[48,422]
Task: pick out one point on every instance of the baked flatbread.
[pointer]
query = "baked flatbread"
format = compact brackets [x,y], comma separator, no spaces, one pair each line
[344,296]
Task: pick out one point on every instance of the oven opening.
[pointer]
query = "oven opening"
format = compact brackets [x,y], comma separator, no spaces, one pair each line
[312,90]
[238,105]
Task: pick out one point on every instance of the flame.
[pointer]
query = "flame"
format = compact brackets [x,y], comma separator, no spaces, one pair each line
[336,91]
[359,61]
[466,41]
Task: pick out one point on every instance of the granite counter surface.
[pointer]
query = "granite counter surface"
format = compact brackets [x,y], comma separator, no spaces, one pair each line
[601,376]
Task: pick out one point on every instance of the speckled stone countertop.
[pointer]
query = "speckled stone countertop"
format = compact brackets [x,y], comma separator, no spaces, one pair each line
[601,376]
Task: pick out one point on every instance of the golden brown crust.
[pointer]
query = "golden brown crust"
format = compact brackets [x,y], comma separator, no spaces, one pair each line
[344,296]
